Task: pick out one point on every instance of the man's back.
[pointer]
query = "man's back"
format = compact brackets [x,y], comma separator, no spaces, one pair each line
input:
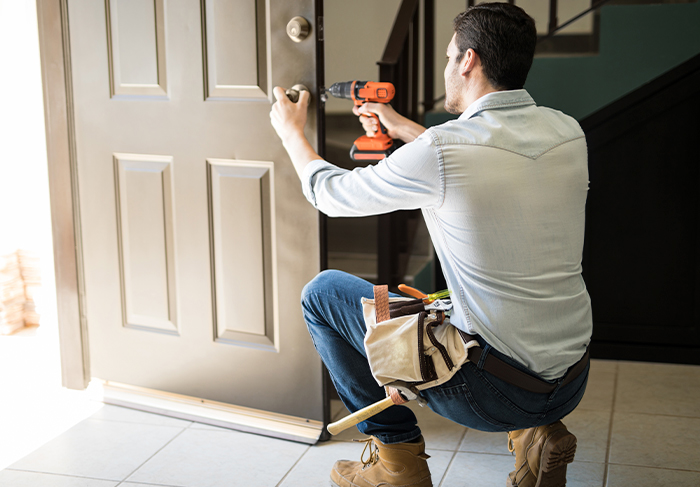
[509,228]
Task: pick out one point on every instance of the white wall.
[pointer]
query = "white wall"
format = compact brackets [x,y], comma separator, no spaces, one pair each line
[25,219]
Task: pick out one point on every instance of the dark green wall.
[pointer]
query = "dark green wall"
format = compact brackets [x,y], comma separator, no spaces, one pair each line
[637,44]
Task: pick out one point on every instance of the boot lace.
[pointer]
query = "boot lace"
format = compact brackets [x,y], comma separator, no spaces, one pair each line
[370,448]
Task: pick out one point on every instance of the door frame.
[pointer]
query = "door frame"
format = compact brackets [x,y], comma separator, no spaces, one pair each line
[54,48]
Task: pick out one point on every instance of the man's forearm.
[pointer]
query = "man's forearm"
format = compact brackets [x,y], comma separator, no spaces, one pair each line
[409,131]
[300,151]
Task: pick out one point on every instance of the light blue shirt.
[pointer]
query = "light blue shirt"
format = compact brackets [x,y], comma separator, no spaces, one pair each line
[503,193]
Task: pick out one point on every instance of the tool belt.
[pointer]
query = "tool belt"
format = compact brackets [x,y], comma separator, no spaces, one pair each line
[406,342]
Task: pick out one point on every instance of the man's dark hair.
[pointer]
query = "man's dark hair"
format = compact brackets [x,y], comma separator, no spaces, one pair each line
[503,36]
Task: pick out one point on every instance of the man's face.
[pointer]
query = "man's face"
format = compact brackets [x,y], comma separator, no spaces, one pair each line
[453,81]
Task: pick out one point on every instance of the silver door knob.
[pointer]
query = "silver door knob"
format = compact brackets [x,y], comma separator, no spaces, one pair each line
[298,29]
[294,92]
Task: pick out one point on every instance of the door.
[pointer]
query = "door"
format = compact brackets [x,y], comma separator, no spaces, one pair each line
[194,239]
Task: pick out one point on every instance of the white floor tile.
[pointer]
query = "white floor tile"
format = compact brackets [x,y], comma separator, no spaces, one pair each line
[315,466]
[591,429]
[655,441]
[14,478]
[205,458]
[476,441]
[582,474]
[439,433]
[99,449]
[624,476]
[650,388]
[478,470]
[438,462]
[601,386]
[127,415]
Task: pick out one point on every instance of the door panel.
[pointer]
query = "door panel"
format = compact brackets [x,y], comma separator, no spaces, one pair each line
[236,59]
[196,238]
[136,43]
[146,239]
[243,245]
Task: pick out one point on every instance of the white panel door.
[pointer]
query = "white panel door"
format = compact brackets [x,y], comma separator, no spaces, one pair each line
[196,240]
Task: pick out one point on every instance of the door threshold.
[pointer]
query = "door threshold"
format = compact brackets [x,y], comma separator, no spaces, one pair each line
[214,413]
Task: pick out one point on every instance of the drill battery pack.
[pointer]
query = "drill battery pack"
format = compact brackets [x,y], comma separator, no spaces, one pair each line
[372,148]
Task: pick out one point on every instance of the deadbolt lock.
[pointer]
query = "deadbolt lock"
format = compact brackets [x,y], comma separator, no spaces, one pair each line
[298,29]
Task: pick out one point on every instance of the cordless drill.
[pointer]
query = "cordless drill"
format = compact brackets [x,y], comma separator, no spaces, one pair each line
[380,145]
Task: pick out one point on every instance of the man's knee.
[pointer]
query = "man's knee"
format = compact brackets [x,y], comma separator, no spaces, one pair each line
[324,280]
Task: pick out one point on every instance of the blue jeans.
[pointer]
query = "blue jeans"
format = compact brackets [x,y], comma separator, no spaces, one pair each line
[473,397]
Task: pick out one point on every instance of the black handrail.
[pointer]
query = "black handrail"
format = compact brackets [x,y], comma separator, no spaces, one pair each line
[557,28]
[399,65]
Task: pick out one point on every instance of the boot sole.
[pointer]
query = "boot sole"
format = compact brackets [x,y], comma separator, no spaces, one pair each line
[557,453]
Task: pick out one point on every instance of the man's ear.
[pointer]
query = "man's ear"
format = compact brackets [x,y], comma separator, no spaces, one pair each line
[469,61]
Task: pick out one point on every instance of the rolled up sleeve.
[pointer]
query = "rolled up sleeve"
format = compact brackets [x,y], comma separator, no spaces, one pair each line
[410,178]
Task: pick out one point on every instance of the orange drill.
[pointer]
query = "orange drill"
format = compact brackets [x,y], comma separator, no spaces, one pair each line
[380,145]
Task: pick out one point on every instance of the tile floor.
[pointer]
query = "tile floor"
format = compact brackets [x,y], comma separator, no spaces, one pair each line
[639,424]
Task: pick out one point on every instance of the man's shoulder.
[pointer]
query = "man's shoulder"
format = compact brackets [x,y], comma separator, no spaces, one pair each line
[457,131]
[527,130]
[560,118]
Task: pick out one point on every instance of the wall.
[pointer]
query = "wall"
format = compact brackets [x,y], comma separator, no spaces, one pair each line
[638,43]
[25,219]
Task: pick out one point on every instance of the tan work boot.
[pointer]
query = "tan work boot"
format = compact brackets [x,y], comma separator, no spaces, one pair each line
[397,464]
[541,455]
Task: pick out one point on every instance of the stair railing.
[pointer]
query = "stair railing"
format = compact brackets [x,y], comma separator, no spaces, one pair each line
[400,65]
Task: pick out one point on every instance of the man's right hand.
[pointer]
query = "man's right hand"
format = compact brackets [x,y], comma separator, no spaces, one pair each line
[397,126]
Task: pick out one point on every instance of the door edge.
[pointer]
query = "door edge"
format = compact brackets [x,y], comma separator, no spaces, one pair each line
[54,48]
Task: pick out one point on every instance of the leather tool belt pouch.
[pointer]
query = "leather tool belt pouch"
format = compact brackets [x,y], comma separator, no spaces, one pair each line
[407,343]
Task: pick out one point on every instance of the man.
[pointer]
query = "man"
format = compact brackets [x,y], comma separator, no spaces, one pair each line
[502,190]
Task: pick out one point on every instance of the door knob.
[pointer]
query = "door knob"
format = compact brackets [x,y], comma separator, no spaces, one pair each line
[294,92]
[298,29]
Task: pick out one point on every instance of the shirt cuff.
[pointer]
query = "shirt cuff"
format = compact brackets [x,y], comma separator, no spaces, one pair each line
[307,177]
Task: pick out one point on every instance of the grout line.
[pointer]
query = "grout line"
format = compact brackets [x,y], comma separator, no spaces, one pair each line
[293,466]
[654,467]
[509,455]
[454,455]
[656,415]
[59,474]
[146,483]
[154,454]
[610,426]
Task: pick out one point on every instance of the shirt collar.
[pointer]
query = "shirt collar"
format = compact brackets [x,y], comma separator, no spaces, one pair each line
[498,99]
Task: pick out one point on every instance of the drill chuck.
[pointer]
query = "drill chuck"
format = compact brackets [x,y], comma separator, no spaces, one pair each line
[341,90]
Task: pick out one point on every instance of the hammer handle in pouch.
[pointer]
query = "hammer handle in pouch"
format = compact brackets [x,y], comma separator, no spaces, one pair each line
[360,416]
